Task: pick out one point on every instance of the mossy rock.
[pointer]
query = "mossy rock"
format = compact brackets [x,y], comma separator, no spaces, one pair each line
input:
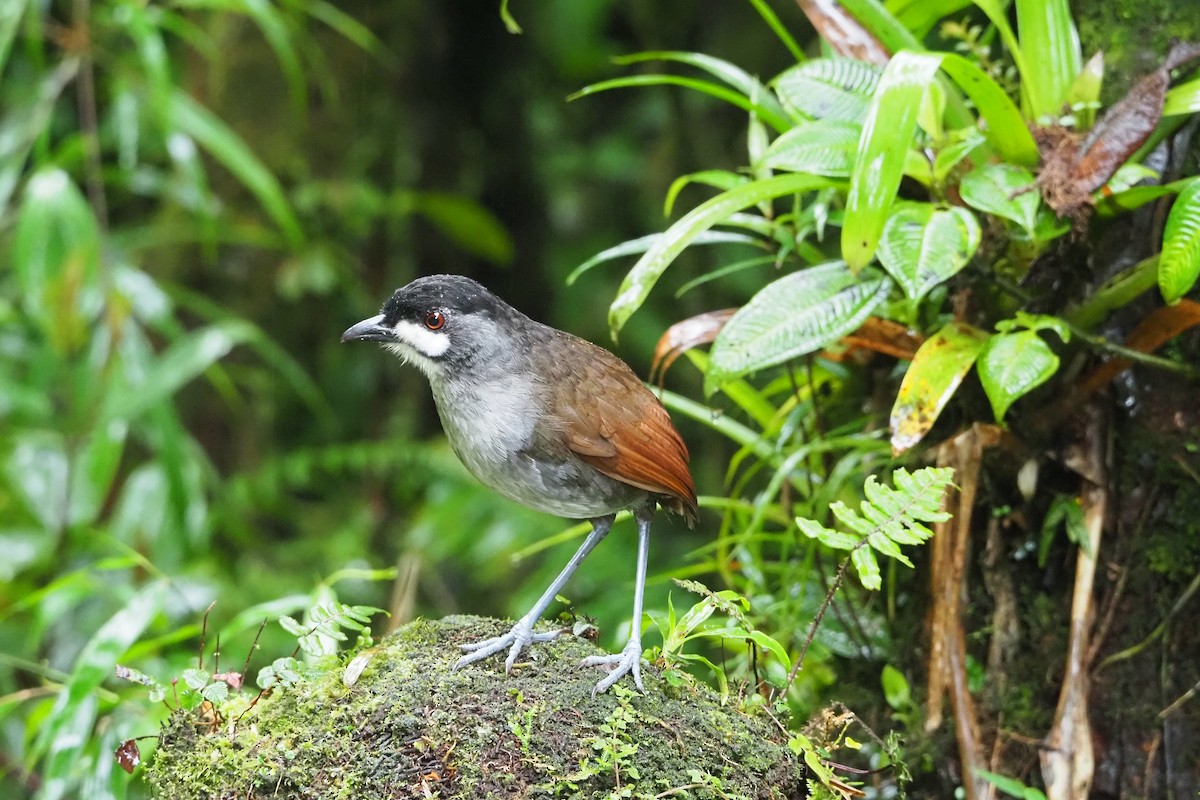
[410,727]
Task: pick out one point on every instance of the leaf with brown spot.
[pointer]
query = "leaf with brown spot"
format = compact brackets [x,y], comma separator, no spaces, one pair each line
[882,336]
[931,380]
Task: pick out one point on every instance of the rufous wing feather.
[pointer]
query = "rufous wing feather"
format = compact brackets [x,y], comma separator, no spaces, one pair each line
[619,427]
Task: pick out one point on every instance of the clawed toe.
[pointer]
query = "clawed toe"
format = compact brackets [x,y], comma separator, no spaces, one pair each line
[517,639]
[626,662]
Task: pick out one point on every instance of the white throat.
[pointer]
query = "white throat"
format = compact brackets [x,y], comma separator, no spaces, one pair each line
[419,346]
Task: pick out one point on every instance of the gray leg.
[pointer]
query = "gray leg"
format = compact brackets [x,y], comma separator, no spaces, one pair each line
[629,660]
[522,634]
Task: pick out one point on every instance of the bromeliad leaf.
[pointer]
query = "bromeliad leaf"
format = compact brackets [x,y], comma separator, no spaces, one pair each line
[931,381]
[658,257]
[888,518]
[923,246]
[1005,191]
[821,147]
[882,151]
[1179,266]
[828,88]
[797,314]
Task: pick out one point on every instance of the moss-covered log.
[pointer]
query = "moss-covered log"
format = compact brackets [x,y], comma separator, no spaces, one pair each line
[410,727]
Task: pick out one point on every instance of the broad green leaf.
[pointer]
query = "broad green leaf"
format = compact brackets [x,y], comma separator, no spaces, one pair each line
[763,112]
[1049,44]
[645,243]
[650,267]
[1182,99]
[38,472]
[1126,177]
[821,147]
[724,71]
[1138,196]
[1012,365]
[184,360]
[792,316]
[931,380]
[228,149]
[1083,98]
[1005,130]
[882,149]
[66,730]
[923,246]
[895,688]
[828,88]
[879,22]
[56,255]
[1180,263]
[1003,190]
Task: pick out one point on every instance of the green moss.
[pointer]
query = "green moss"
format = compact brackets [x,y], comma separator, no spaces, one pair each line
[409,726]
[1135,36]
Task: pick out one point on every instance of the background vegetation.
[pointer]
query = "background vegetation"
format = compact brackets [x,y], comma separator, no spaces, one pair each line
[197,197]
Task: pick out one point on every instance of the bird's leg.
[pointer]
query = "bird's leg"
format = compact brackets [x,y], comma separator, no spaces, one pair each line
[522,633]
[629,660]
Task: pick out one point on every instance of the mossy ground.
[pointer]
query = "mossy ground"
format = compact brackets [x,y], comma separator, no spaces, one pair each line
[409,727]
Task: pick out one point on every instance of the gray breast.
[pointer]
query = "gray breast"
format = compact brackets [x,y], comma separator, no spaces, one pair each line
[491,426]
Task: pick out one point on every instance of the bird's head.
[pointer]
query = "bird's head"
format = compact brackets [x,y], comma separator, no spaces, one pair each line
[442,324]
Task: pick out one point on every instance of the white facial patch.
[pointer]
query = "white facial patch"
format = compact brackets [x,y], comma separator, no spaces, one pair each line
[419,346]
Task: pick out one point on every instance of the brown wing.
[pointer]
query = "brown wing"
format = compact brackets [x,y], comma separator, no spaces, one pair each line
[617,425]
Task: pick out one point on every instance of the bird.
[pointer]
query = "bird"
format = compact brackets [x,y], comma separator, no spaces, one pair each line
[546,419]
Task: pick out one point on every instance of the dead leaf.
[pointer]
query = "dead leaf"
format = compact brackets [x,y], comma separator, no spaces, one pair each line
[844,34]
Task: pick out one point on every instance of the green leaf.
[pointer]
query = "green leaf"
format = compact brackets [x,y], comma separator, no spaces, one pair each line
[465,222]
[1006,130]
[1003,190]
[919,16]
[65,732]
[721,179]
[1180,263]
[1182,99]
[184,360]
[895,688]
[1012,365]
[646,272]
[10,20]
[56,256]
[838,89]
[821,147]
[94,465]
[879,165]
[724,71]
[1050,45]
[227,148]
[794,315]
[931,380]
[645,243]
[38,472]
[763,112]
[923,246]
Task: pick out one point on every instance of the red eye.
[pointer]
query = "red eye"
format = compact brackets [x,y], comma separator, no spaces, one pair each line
[435,320]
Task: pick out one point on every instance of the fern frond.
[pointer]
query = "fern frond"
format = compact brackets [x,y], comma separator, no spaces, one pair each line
[888,517]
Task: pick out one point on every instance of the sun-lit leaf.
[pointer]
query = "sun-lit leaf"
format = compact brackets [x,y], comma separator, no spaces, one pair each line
[1179,266]
[919,16]
[1182,99]
[1012,365]
[923,246]
[722,179]
[879,165]
[1003,190]
[1084,95]
[646,272]
[931,380]
[1005,128]
[829,88]
[794,315]
[820,147]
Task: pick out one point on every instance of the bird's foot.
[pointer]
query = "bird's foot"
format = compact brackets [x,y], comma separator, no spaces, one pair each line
[521,636]
[628,661]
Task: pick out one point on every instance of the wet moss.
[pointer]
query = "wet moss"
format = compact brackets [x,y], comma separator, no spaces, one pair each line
[409,727]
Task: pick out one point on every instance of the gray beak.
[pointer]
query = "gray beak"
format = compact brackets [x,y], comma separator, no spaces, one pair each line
[369,330]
